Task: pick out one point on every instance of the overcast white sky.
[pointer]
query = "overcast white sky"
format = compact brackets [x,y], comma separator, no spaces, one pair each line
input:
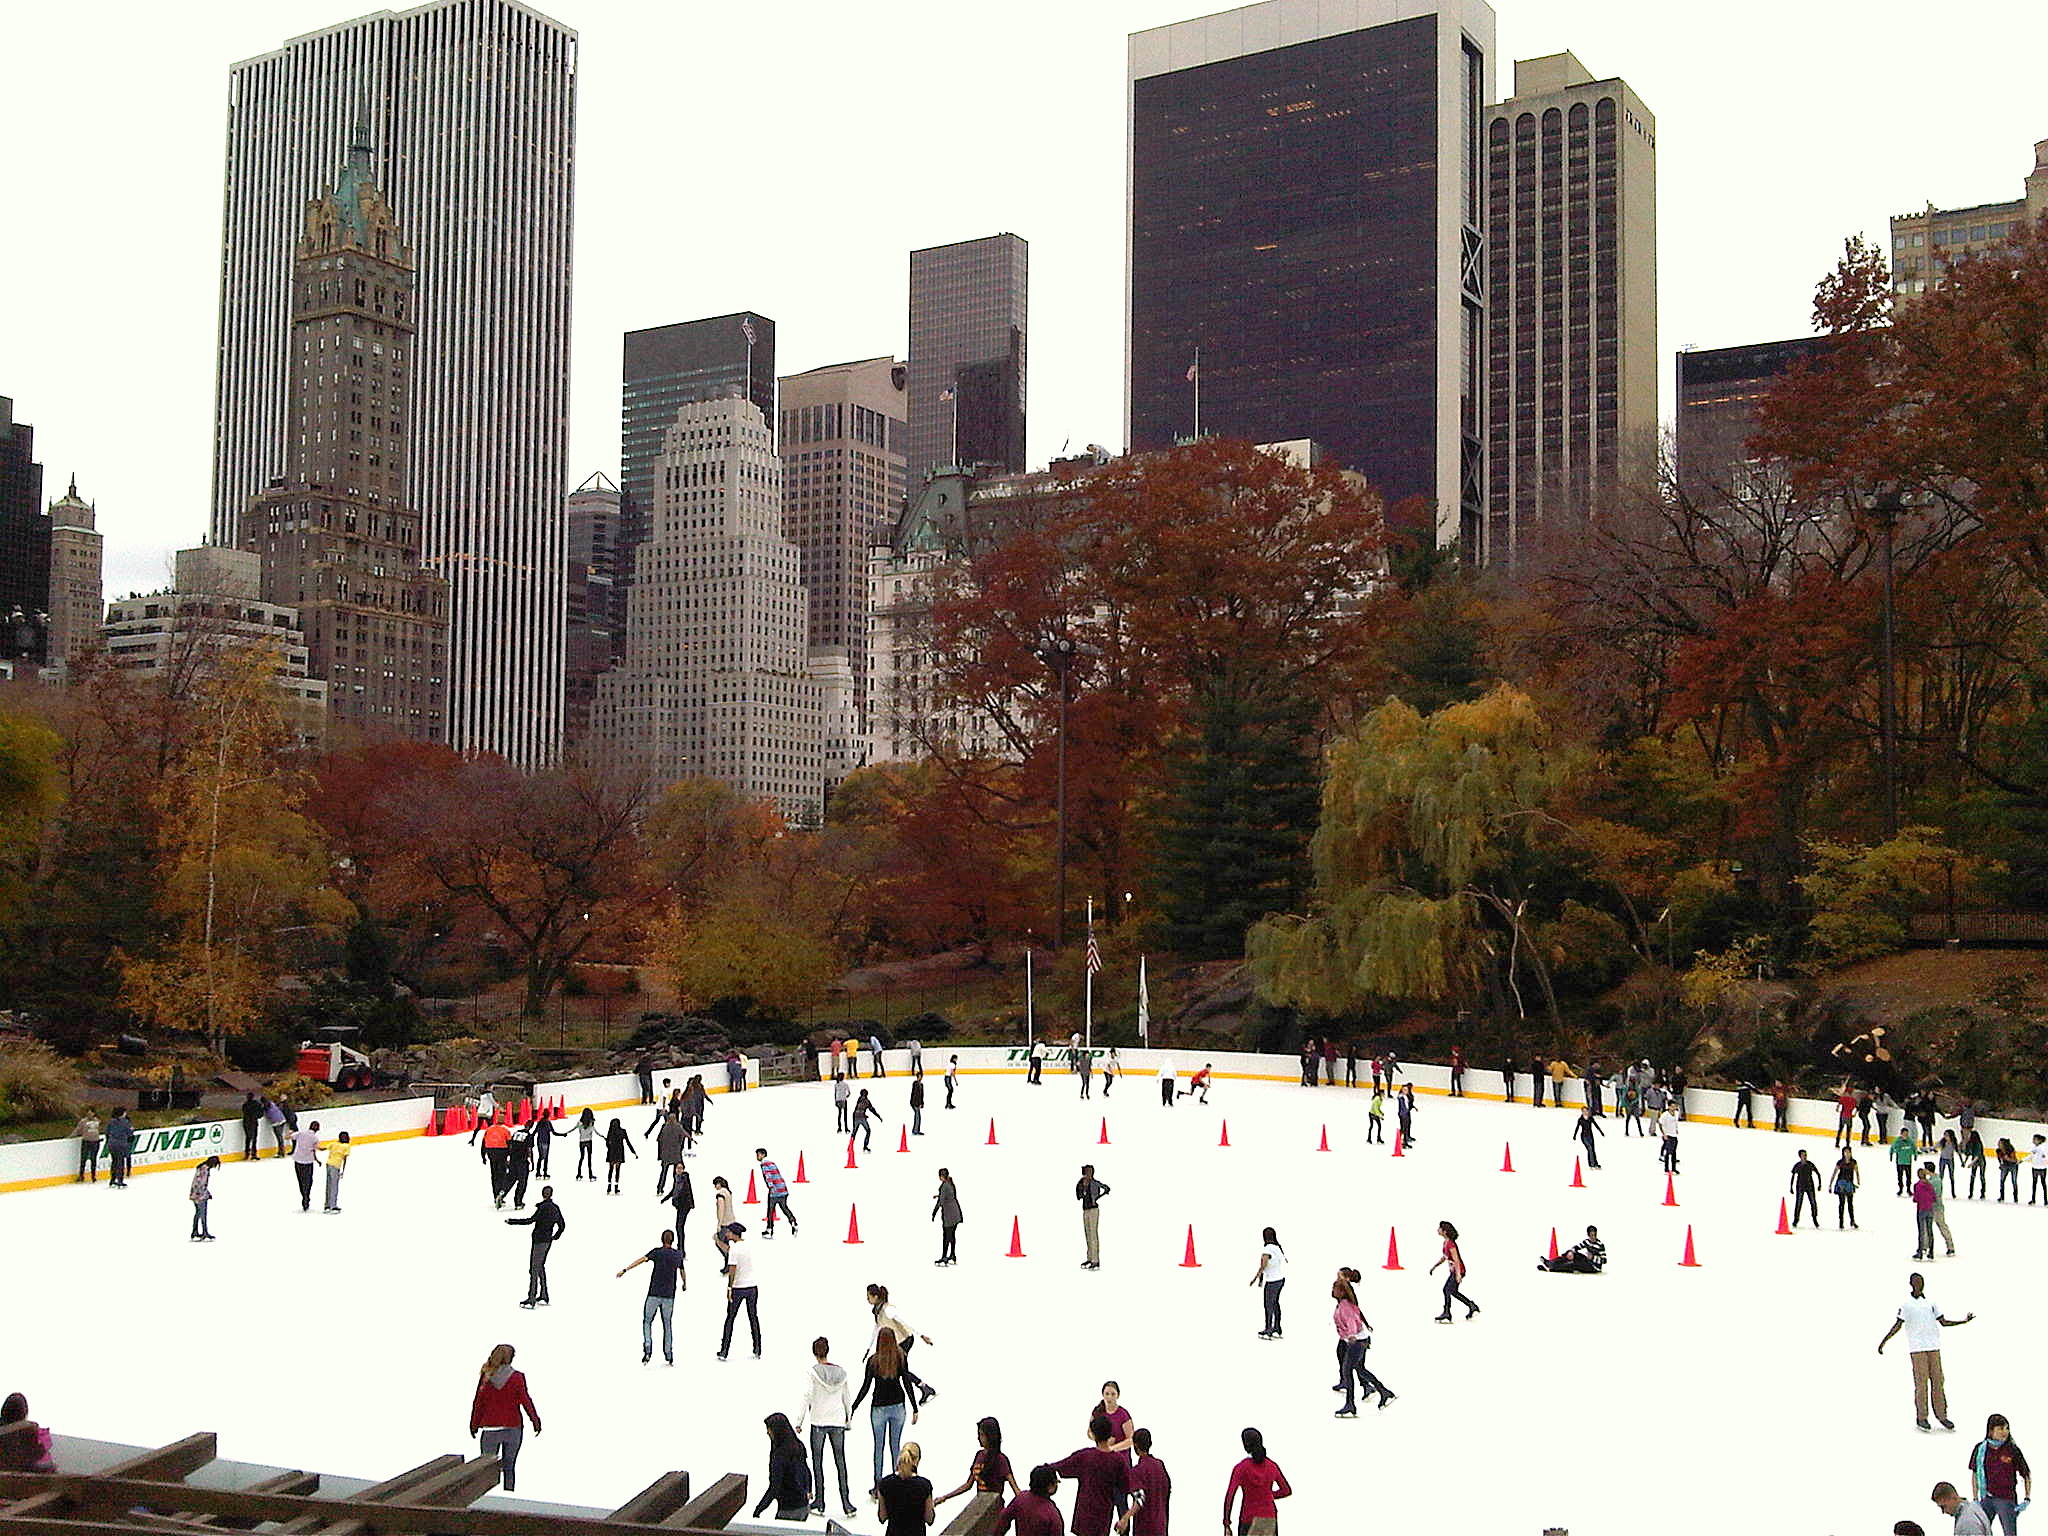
[787,157]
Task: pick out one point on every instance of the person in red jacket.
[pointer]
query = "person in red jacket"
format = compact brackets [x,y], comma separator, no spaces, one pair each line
[1101,1478]
[501,1396]
[1261,1482]
[1033,1513]
[1151,1491]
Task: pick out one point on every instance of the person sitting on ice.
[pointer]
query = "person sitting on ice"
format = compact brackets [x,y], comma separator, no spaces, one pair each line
[1584,1258]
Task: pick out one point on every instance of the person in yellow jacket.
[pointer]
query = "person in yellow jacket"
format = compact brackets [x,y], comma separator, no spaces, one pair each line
[1560,1074]
[337,1163]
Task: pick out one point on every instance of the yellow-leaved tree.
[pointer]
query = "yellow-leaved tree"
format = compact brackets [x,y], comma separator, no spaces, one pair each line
[242,864]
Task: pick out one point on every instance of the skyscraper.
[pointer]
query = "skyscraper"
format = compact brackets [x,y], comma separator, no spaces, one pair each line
[969,314]
[471,108]
[24,541]
[77,563]
[716,682]
[336,537]
[1571,230]
[597,615]
[1304,186]
[842,487]
[1721,393]
[668,367]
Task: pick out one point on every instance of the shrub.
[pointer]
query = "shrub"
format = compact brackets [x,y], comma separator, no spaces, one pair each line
[262,1051]
[926,1027]
[36,1084]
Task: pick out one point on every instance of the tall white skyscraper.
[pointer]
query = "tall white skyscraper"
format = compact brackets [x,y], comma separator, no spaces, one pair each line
[716,682]
[470,107]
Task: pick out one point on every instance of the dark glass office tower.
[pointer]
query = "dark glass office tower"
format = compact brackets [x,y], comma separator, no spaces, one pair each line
[667,367]
[1305,190]
[24,538]
[969,316]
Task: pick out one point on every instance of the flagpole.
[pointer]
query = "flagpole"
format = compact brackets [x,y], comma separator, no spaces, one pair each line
[953,450]
[1029,1028]
[1144,1007]
[1088,984]
[1198,394]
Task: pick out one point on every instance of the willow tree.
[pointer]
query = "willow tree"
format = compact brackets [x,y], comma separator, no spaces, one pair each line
[1432,830]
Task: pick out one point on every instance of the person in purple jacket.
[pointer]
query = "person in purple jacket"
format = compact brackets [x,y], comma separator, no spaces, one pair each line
[1100,1480]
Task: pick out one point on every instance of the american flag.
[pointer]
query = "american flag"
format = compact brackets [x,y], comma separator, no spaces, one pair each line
[945,395]
[1094,954]
[1194,371]
[747,329]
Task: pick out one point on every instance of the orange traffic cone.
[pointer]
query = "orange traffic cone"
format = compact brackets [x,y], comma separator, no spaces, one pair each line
[1784,1226]
[1324,1146]
[849,1154]
[752,1197]
[526,1111]
[903,1139]
[1016,1241]
[853,1223]
[1553,1245]
[1225,1141]
[1689,1261]
[1670,1190]
[1102,1137]
[1398,1152]
[1188,1259]
[1578,1173]
[991,1131]
[800,1178]
[1507,1158]
[432,1116]
[1393,1251]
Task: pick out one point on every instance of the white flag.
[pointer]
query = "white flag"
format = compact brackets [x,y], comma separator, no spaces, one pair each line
[1144,1006]
[747,329]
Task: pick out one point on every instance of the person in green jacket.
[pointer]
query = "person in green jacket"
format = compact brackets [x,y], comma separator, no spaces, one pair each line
[1903,1149]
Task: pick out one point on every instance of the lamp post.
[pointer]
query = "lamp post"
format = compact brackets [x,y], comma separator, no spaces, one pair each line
[1058,653]
[1886,506]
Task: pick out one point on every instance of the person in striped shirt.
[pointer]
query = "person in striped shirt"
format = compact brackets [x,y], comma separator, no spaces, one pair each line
[778,1191]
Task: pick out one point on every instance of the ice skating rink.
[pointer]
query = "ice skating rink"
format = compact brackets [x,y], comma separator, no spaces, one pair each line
[1745,1394]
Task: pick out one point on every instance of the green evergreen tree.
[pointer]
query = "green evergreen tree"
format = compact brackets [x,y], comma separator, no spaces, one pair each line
[1240,809]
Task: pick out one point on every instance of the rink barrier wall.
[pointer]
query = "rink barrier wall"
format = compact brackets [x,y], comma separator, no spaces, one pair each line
[1703,1106]
[169,1148]
[163,1149]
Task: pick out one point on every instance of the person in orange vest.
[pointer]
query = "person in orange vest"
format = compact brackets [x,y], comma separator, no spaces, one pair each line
[497,1155]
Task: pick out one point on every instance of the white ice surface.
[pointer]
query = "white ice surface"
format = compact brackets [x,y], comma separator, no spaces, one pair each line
[1746,1394]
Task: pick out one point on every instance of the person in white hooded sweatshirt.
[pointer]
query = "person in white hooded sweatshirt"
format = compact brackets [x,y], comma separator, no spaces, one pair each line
[828,1404]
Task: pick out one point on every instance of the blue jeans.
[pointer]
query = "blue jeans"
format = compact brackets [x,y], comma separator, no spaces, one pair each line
[821,1436]
[887,1424]
[2005,1511]
[663,1307]
[506,1443]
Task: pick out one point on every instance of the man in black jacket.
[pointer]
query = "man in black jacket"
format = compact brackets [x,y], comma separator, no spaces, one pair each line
[547,1224]
[252,1125]
[1089,1190]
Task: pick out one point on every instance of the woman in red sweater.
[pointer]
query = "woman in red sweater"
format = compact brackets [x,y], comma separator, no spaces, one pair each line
[494,1415]
[1259,1478]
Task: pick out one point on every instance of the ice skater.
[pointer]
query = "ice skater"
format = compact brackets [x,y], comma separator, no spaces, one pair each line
[864,1117]
[1745,1104]
[828,1405]
[274,1121]
[907,1339]
[305,1157]
[2037,1167]
[497,1142]
[1111,1066]
[1588,1256]
[1973,1165]
[883,1376]
[721,1214]
[952,1078]
[1404,1115]
[1805,1188]
[1376,1116]
[1584,1129]
[1939,1212]
[1903,1150]
[1667,1127]
[586,1140]
[946,1212]
[1507,1080]
[1169,1082]
[1257,1482]
[660,1301]
[201,1196]
[1354,1338]
[668,1151]
[1084,1069]
[548,1225]
[518,1166]
[1847,1180]
[2008,1170]
[875,1068]
[617,1144]
[788,1486]
[1923,1214]
[682,1198]
[494,1413]
[1198,1085]
[989,1472]
[778,1192]
[1089,1190]
[543,1144]
[1272,1274]
[1101,1479]
[917,1104]
[741,1288]
[1923,1321]
[2000,1476]
[1969,1517]
[120,1147]
[842,1102]
[1453,1263]
[485,1109]
[1034,1071]
[337,1164]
